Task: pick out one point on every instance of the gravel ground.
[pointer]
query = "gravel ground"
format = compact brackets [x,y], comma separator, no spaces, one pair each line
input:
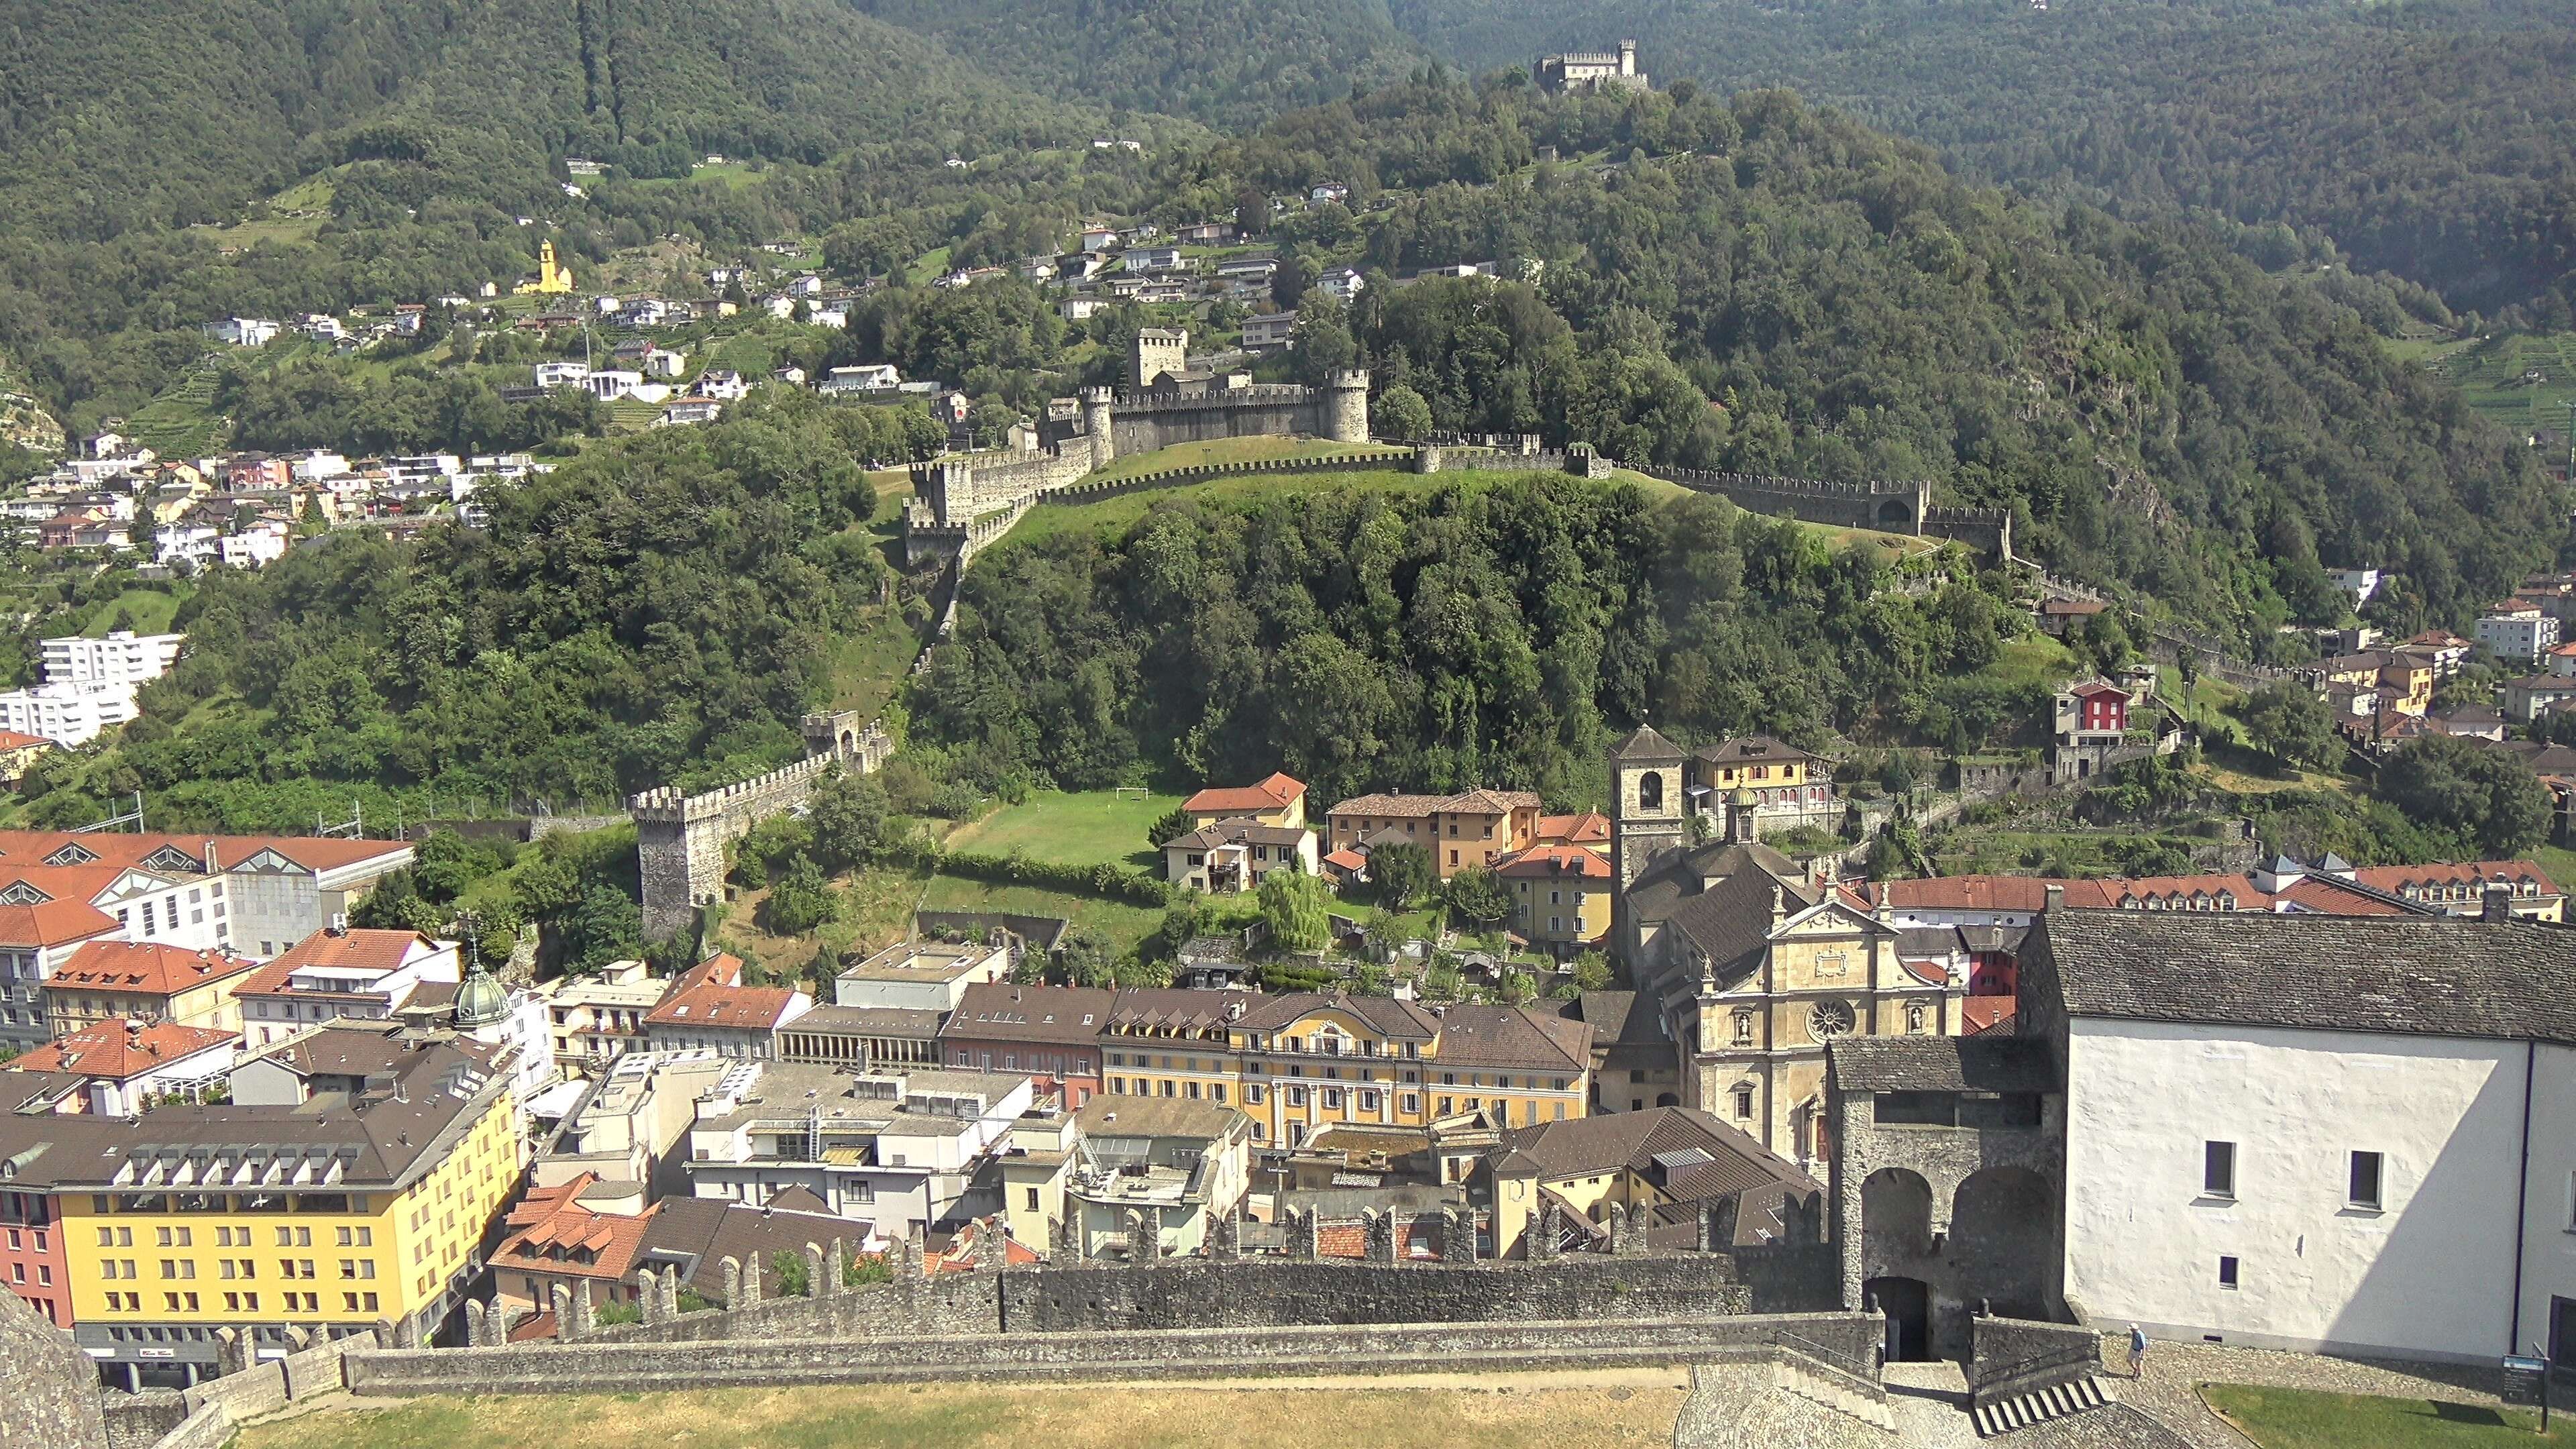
[2169,1391]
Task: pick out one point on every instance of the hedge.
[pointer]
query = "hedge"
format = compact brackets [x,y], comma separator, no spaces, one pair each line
[1116,882]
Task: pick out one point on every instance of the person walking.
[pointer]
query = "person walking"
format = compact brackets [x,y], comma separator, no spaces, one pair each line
[2137,1351]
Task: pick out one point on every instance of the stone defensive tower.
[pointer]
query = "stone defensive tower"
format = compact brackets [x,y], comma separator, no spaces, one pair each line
[1097,403]
[680,839]
[1346,406]
[1156,351]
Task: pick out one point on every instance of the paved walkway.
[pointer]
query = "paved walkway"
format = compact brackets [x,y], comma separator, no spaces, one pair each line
[1931,1404]
[2168,1392]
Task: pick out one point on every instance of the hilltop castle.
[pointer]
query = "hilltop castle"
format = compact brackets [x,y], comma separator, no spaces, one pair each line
[1591,70]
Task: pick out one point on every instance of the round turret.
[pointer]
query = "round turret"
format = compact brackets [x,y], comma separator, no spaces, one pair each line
[1346,406]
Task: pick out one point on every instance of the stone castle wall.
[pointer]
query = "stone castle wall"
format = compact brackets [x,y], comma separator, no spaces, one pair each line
[680,839]
[1891,507]
[50,1399]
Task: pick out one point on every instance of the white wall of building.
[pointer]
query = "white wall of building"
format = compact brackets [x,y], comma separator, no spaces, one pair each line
[2429,1274]
[123,657]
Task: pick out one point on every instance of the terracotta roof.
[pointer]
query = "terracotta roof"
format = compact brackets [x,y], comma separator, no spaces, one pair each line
[12,740]
[2092,687]
[143,966]
[1270,794]
[2326,896]
[357,950]
[711,993]
[108,1050]
[1984,1013]
[1346,859]
[313,852]
[1589,828]
[54,923]
[551,1232]
[2408,975]
[1556,862]
[2072,606]
[2400,879]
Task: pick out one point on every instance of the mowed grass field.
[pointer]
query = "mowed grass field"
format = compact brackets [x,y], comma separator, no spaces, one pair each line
[1123,924]
[1094,827]
[2524,382]
[1527,1412]
[2299,1419]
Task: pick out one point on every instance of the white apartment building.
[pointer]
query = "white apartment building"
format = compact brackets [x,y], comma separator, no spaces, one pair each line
[123,657]
[920,975]
[2349,1135]
[2517,633]
[67,714]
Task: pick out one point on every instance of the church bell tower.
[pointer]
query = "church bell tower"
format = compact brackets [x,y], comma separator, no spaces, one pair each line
[1646,816]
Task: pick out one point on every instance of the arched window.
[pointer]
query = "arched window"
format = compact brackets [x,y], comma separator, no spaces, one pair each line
[1650,791]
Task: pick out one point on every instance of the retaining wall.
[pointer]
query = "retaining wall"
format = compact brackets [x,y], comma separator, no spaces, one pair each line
[1188,1294]
[595,1366]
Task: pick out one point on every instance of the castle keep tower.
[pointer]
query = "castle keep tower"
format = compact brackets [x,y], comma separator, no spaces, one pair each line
[1346,406]
[1096,425]
[1156,351]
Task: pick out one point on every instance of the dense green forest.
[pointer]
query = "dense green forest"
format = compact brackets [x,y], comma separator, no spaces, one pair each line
[664,608]
[2431,139]
[1488,633]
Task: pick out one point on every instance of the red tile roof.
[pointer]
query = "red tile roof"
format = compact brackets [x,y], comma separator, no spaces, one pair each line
[1555,862]
[1588,828]
[2399,879]
[355,950]
[12,740]
[142,966]
[592,1244]
[1983,1013]
[319,853]
[711,993]
[54,923]
[109,1051]
[1271,794]
[1346,859]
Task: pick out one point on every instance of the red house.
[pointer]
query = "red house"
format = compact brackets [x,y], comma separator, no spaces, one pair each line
[2094,708]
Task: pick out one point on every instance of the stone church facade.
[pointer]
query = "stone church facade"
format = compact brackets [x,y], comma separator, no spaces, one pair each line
[1755,965]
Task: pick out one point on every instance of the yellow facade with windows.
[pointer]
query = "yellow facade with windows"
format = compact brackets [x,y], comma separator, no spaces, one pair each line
[354,1253]
[1297,1065]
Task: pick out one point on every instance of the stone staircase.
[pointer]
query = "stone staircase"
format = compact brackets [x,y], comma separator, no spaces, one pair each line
[2058,1401]
[1821,1383]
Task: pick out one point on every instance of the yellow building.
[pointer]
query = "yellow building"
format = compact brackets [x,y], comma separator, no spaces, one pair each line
[353,1182]
[1297,1064]
[142,980]
[1560,897]
[552,277]
[1279,800]
[1468,831]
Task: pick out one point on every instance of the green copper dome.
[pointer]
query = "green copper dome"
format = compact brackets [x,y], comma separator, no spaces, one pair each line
[480,1000]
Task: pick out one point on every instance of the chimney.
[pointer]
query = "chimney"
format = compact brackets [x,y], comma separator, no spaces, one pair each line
[2055,901]
[2495,903]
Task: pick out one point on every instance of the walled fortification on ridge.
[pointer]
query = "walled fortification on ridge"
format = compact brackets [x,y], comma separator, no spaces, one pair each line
[680,839]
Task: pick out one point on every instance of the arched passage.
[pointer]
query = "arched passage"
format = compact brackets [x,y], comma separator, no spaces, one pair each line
[1895,1216]
[1896,513]
[2005,1237]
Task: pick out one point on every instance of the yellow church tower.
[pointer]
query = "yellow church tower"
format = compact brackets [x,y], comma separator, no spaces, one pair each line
[551,277]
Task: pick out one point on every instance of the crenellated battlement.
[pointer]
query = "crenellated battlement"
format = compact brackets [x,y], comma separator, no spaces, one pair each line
[680,839]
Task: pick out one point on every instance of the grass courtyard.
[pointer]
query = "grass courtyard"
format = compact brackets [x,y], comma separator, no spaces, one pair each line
[1092,827]
[2301,1419]
[1629,1408]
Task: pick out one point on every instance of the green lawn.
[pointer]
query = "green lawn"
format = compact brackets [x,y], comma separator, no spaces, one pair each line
[1124,925]
[2034,659]
[2522,382]
[2297,1419]
[149,609]
[1222,450]
[1116,515]
[1093,827]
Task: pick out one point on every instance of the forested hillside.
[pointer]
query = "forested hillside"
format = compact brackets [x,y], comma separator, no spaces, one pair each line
[1218,60]
[2435,139]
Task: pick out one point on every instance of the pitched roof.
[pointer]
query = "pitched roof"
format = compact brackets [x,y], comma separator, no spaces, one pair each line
[1173,1006]
[1940,1064]
[146,967]
[53,923]
[13,740]
[1732,918]
[1471,802]
[1750,749]
[1242,830]
[1675,876]
[110,1051]
[1634,1140]
[1518,1037]
[998,1010]
[1555,862]
[1274,793]
[1647,747]
[1384,1014]
[2408,975]
[1588,828]
[2405,879]
[711,993]
[354,950]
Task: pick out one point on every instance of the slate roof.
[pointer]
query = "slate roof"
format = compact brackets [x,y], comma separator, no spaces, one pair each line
[1940,1064]
[1516,1037]
[1633,1140]
[1732,918]
[1470,802]
[2403,975]
[1750,750]
[1647,747]
[1242,830]
[999,1011]
[1623,1035]
[1384,1014]
[1674,876]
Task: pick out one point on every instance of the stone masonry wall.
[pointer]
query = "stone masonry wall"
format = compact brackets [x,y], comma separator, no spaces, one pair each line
[594,1366]
[1186,1294]
[680,840]
[48,1387]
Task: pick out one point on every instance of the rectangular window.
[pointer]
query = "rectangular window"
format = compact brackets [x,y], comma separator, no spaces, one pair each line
[2226,1271]
[2365,1180]
[1744,1104]
[2218,1170]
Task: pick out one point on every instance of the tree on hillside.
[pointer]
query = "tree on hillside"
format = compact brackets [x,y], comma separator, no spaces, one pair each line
[2492,800]
[801,900]
[1294,906]
[1402,872]
[2288,722]
[848,819]
[1089,959]
[1478,897]
[1401,416]
[1171,827]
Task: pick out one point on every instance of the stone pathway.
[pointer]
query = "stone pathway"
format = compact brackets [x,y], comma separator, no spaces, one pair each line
[2168,1393]
[1931,1404]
